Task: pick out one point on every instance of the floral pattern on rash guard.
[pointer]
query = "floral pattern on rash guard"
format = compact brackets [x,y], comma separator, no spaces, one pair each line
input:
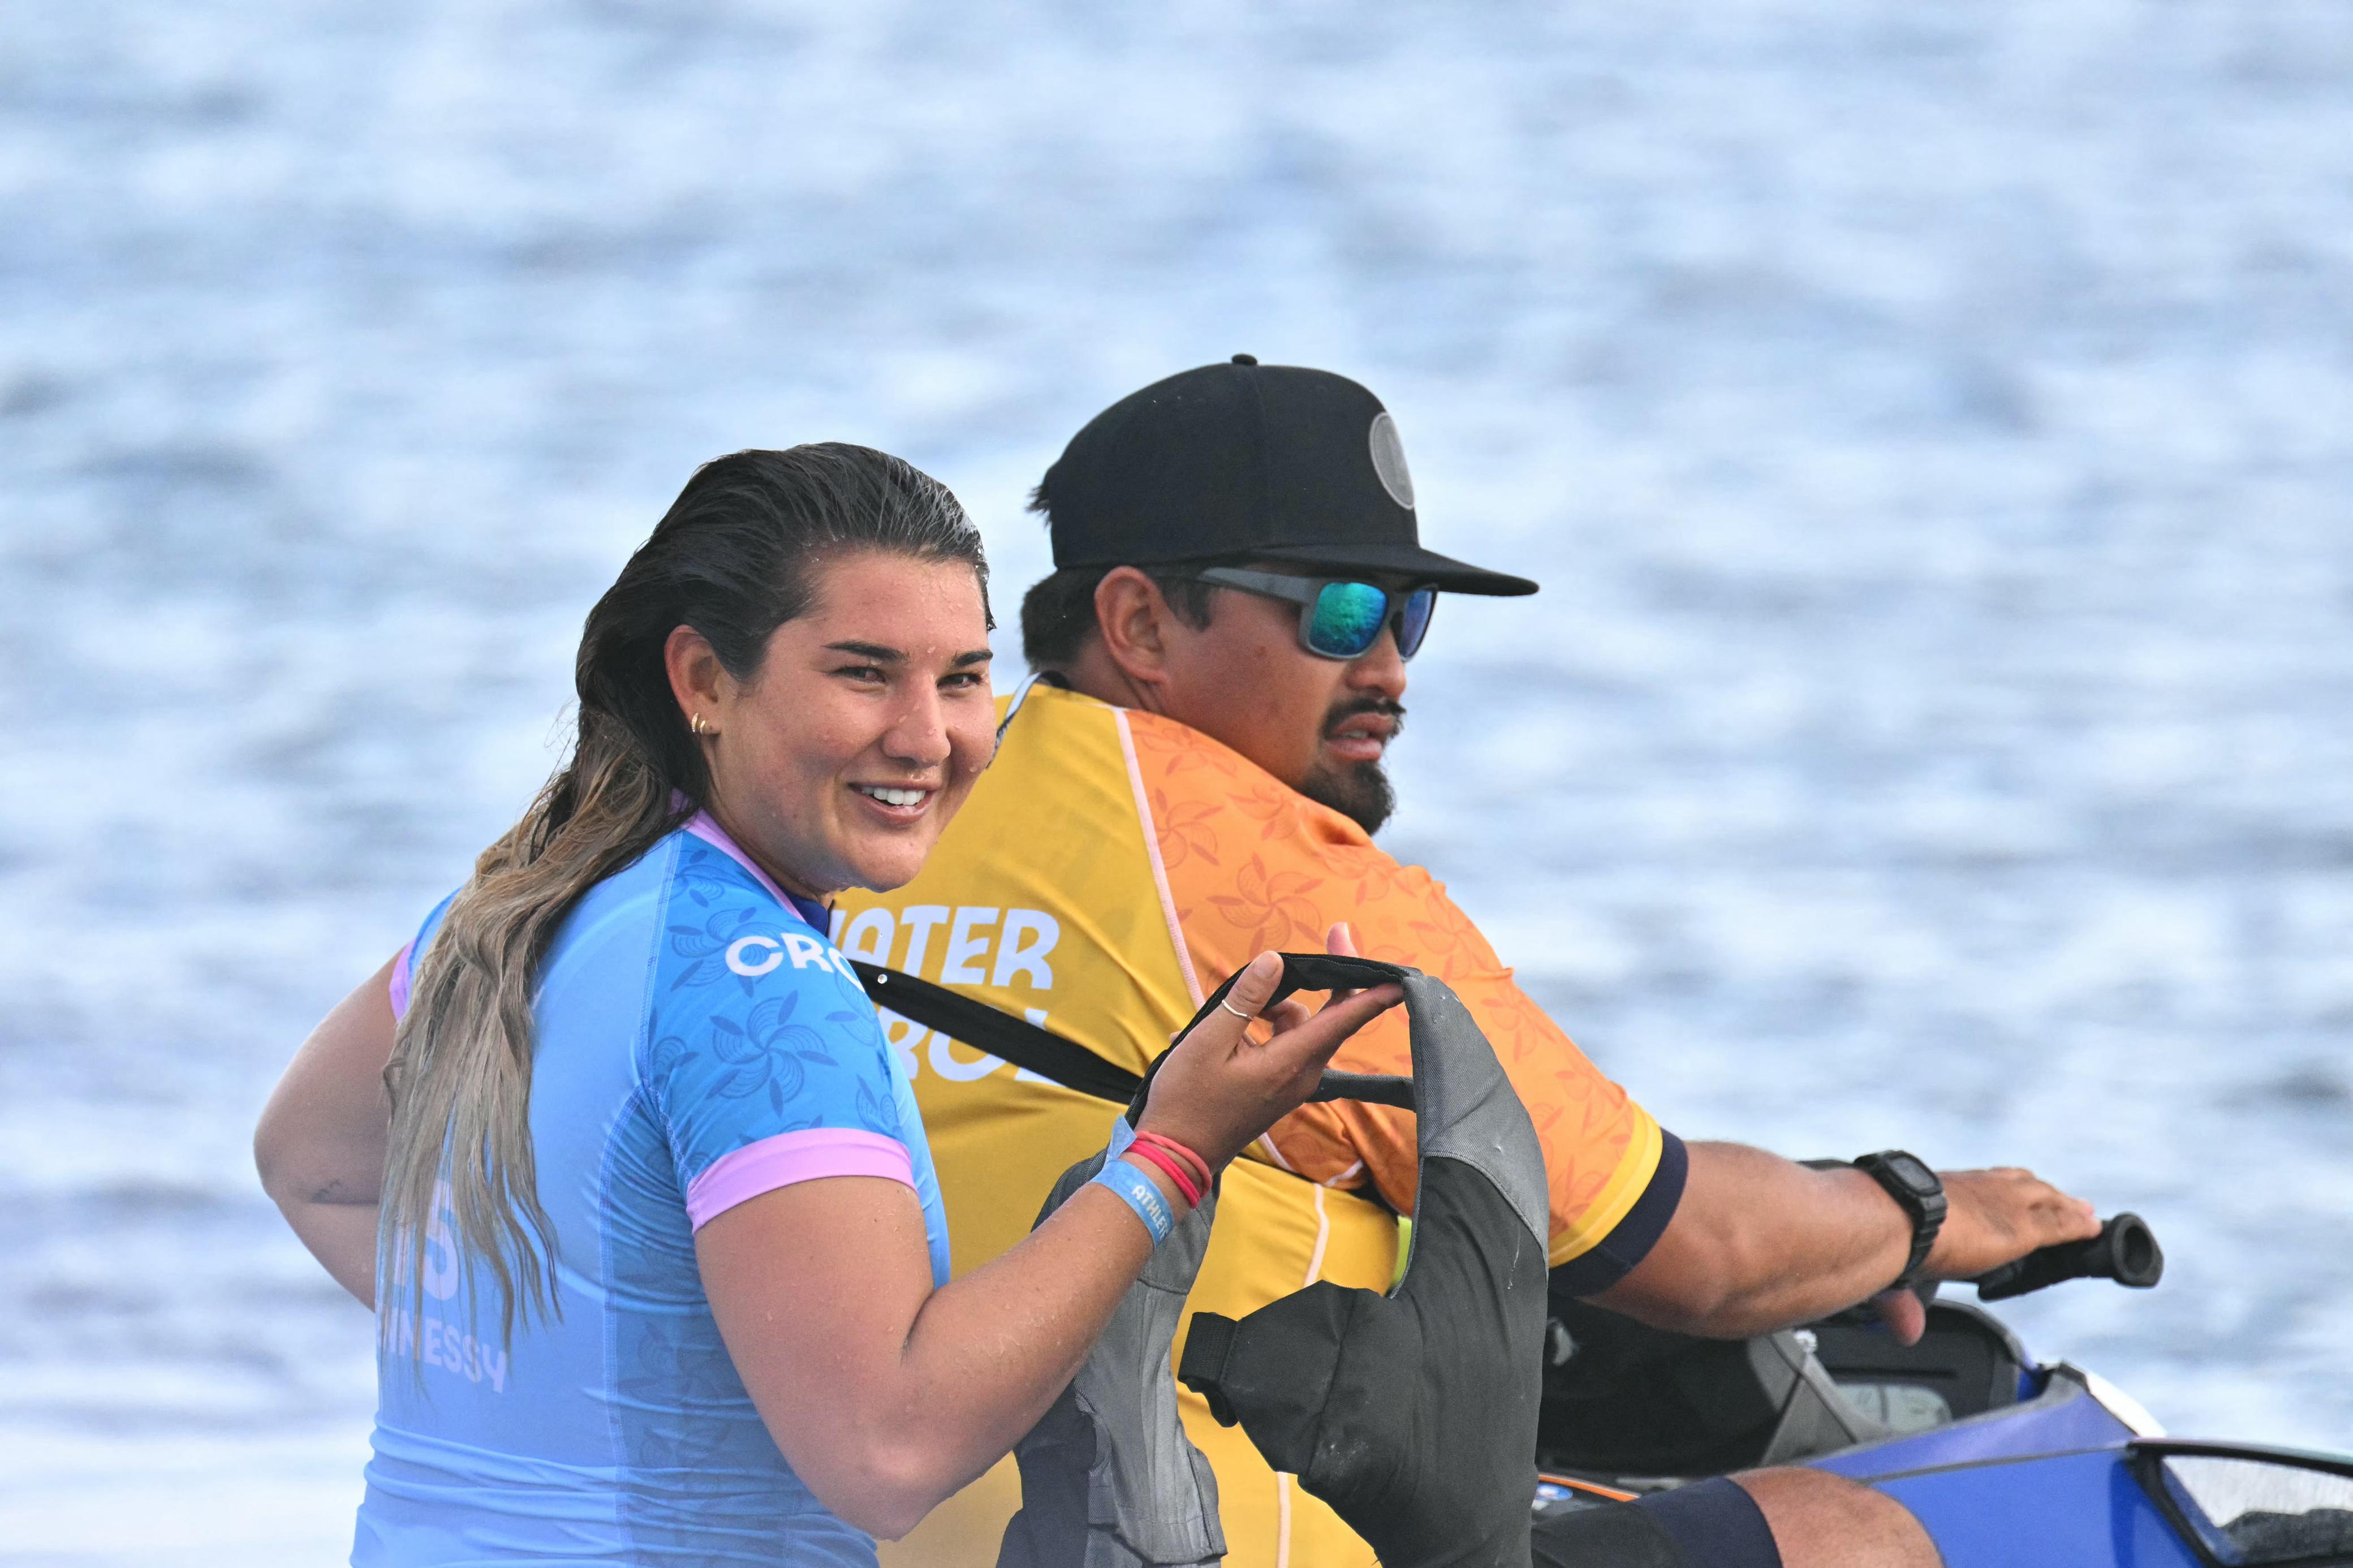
[760,1032]
[699,1043]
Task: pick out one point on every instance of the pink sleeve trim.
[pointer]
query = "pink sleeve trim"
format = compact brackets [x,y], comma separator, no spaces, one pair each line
[790,1157]
[401,980]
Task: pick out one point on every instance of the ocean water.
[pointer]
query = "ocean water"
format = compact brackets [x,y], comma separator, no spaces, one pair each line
[1932,428]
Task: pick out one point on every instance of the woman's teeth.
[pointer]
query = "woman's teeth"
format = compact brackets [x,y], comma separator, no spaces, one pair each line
[889,796]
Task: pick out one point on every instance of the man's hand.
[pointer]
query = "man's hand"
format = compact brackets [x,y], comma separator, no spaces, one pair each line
[1759,1243]
[1991,1218]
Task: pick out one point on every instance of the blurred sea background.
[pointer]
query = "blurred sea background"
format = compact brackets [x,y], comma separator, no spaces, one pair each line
[1933,429]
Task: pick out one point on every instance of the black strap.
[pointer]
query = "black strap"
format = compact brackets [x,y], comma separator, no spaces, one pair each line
[1202,1367]
[1302,972]
[1064,1061]
[1310,971]
[983,1027]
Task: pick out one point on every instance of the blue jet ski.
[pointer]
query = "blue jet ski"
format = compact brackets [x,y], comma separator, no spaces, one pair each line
[2008,1462]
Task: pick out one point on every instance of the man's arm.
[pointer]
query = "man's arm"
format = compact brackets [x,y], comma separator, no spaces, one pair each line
[1753,1243]
[1759,1243]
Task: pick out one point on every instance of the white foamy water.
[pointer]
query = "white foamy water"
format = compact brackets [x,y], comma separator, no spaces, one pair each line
[1932,429]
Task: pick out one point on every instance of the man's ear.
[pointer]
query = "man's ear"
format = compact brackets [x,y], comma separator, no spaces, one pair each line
[1135,620]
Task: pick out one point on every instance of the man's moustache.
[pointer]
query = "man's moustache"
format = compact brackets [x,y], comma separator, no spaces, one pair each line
[1395,712]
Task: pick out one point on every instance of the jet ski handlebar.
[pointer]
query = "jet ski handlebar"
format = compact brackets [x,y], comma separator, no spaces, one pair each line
[2125,1251]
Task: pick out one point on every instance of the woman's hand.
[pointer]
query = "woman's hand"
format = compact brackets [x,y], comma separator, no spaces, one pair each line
[1220,1089]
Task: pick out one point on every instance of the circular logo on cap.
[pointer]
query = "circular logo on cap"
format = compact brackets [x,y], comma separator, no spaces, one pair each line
[1388,460]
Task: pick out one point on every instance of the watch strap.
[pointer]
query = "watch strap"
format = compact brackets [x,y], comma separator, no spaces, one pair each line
[1927,1209]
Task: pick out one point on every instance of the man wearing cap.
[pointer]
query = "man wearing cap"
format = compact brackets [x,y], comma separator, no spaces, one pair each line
[1196,777]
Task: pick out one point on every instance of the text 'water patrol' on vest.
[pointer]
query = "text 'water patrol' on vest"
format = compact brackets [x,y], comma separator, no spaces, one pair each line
[984,946]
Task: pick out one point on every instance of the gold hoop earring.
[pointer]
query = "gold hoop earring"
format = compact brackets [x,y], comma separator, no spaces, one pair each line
[700,725]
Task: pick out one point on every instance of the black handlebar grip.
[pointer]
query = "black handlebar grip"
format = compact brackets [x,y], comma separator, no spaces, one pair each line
[2125,1251]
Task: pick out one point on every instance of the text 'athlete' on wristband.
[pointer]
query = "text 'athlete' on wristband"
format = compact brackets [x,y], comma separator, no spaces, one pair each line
[1136,1190]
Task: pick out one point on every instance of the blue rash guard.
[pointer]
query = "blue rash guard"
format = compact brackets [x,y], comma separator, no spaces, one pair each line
[699,1043]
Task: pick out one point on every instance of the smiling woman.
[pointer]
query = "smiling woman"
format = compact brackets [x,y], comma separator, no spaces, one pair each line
[658,1261]
[860,733]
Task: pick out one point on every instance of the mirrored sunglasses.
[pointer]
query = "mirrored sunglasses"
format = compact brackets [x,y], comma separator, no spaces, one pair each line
[1339,618]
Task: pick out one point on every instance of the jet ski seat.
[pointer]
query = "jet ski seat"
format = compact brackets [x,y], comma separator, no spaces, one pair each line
[1623,1399]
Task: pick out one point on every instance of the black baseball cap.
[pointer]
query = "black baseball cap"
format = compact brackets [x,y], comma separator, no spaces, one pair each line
[1244,459]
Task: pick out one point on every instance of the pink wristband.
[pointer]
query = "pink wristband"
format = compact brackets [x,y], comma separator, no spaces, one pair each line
[1168,1167]
[1202,1174]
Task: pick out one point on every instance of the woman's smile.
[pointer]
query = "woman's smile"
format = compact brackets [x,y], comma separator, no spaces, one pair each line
[896,803]
[838,763]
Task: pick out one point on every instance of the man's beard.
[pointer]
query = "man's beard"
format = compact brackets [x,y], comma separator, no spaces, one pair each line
[1360,792]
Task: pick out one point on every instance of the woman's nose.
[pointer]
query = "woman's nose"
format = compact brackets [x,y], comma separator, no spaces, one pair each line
[920,735]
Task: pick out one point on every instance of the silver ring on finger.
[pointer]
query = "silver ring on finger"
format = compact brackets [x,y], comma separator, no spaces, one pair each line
[1236,1012]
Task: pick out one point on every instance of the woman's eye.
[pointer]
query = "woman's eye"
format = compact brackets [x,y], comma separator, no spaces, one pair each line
[861,672]
[963,681]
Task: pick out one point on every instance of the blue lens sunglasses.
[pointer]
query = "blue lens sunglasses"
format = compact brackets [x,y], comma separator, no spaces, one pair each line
[1338,618]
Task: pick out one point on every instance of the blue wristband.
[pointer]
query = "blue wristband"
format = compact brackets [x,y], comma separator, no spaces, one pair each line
[1135,1189]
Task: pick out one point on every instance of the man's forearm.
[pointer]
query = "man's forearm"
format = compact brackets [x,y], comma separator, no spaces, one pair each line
[1759,1243]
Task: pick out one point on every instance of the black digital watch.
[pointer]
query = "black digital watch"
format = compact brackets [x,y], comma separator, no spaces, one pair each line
[1918,1191]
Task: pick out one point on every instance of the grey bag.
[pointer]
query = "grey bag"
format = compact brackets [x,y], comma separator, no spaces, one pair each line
[1108,1477]
[1413,1413]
